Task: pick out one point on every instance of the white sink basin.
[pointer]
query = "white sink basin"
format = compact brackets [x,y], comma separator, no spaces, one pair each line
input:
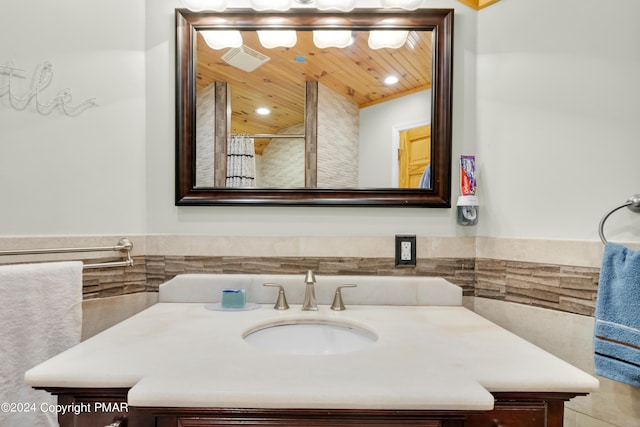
[310,338]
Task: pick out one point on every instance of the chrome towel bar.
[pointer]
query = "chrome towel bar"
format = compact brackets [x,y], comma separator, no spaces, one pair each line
[124,245]
[632,203]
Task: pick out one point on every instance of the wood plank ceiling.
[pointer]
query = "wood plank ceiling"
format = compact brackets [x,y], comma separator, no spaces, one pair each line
[357,72]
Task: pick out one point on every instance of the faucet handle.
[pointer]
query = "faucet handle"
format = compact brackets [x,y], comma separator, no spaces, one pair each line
[310,277]
[281,303]
[337,304]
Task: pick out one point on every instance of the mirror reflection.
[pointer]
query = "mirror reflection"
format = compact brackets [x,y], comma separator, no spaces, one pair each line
[368,95]
[346,136]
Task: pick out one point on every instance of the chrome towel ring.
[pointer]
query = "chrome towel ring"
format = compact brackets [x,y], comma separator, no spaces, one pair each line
[632,203]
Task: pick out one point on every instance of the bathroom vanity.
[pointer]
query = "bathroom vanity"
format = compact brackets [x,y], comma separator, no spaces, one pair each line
[426,361]
[510,410]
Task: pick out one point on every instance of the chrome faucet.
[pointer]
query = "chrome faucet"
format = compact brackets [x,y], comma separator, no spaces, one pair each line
[310,303]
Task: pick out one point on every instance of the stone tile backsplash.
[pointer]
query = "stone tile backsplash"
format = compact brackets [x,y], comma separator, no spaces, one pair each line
[109,282]
[565,288]
[558,287]
[162,268]
[527,278]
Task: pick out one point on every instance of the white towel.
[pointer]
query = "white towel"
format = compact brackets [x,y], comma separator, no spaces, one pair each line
[40,316]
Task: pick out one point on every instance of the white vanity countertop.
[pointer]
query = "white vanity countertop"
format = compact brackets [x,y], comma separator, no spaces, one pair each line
[426,357]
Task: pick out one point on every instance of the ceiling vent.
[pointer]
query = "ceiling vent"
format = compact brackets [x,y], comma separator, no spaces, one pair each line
[244,58]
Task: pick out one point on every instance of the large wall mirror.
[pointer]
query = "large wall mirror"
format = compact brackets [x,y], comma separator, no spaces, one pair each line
[295,108]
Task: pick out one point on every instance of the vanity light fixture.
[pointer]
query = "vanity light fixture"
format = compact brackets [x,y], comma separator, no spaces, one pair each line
[392,39]
[271,4]
[282,5]
[402,4]
[222,39]
[200,5]
[332,38]
[277,38]
[263,111]
[342,5]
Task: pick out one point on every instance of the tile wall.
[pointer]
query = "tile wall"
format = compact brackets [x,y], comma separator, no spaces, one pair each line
[281,164]
[564,285]
[338,136]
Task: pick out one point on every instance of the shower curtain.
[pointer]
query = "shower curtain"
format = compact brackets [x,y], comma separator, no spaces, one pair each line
[241,162]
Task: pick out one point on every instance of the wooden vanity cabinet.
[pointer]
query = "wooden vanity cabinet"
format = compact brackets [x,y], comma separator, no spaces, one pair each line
[98,407]
[314,418]
[107,407]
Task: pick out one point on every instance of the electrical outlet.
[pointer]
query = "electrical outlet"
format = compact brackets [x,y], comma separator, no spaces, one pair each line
[405,251]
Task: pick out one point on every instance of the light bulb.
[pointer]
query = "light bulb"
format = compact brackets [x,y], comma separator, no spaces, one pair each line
[200,5]
[221,39]
[331,38]
[392,39]
[271,4]
[402,4]
[277,38]
[343,5]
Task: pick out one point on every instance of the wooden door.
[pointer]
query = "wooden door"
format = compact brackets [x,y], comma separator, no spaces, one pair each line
[414,155]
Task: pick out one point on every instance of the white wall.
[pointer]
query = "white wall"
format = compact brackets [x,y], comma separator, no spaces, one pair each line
[82,174]
[558,117]
[378,123]
[110,170]
[549,110]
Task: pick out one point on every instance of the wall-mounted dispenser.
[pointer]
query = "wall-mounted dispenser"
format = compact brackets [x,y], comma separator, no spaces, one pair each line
[467,210]
[468,202]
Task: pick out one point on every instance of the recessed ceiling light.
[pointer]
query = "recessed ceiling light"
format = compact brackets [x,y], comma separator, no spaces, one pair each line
[391,80]
[263,111]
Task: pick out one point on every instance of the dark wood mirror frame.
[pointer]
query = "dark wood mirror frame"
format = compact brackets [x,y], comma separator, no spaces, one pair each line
[440,21]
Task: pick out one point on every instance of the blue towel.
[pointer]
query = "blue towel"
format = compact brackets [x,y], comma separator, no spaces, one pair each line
[425,181]
[617,328]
